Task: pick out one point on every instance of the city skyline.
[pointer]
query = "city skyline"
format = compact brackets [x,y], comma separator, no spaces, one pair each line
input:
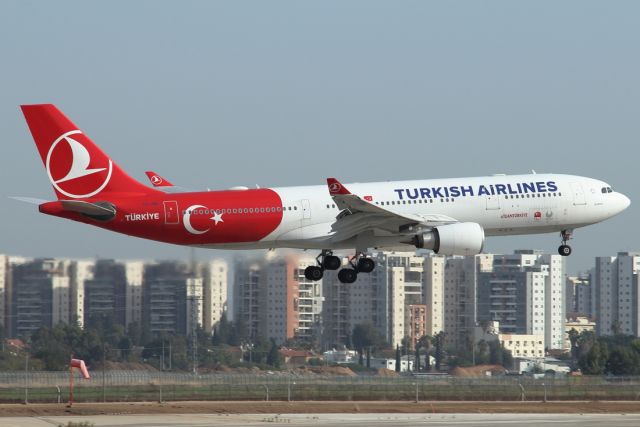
[412,295]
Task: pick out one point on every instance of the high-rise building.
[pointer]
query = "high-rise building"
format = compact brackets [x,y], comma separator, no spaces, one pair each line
[460,298]
[615,296]
[249,297]
[574,291]
[172,298]
[215,293]
[79,272]
[105,294]
[293,304]
[417,323]
[525,293]
[40,295]
[433,281]
[274,300]
[134,272]
[584,305]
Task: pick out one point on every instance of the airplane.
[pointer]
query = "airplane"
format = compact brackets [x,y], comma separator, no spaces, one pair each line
[448,216]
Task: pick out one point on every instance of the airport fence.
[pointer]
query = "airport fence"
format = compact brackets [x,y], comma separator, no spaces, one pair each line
[122,386]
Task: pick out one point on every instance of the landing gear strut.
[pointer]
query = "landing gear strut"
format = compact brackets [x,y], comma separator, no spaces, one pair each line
[564,249]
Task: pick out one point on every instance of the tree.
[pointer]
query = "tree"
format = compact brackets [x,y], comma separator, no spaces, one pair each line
[623,361]
[573,339]
[417,362]
[483,353]
[364,335]
[273,358]
[438,344]
[507,358]
[594,362]
[398,359]
[368,357]
[496,355]
[405,345]
[425,343]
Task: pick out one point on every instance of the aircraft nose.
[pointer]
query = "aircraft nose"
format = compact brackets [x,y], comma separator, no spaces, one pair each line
[622,202]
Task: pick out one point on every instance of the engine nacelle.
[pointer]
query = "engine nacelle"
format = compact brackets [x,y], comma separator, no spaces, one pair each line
[465,238]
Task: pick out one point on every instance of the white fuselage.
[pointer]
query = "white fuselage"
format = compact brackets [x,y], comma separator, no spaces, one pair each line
[501,204]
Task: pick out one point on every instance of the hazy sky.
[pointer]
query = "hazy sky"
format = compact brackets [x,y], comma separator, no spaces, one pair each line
[217,94]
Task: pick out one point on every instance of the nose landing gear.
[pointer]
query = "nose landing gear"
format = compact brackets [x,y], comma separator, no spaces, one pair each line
[564,249]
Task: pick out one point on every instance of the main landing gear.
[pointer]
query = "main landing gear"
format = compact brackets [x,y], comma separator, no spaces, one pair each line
[564,249]
[328,261]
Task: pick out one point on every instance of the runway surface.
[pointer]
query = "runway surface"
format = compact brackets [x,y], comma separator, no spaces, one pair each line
[329,420]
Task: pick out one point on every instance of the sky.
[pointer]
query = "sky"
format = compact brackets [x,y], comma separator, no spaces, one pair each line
[218,94]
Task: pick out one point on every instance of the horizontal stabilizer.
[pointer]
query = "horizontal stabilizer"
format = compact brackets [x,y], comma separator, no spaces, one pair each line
[31,200]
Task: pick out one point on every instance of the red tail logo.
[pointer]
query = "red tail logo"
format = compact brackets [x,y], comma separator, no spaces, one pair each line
[71,169]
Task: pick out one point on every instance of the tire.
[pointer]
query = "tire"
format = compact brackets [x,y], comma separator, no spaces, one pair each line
[332,262]
[347,275]
[366,265]
[313,273]
[564,250]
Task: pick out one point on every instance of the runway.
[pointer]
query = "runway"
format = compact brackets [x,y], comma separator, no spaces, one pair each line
[329,420]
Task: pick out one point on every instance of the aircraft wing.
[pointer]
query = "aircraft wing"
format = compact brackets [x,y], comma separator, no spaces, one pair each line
[358,215]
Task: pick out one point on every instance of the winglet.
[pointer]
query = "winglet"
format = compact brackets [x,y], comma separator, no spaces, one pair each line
[157,180]
[335,187]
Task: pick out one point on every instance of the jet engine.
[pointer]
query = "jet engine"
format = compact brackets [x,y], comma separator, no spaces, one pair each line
[465,238]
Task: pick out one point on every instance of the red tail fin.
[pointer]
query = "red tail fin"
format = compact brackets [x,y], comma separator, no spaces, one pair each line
[77,168]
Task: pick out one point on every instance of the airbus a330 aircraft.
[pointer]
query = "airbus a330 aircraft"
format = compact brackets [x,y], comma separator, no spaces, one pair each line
[448,216]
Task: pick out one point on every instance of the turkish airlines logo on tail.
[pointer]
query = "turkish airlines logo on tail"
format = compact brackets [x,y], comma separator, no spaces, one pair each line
[69,167]
[335,188]
[156,180]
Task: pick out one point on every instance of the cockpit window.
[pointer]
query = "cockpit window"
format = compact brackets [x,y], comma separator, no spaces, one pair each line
[604,190]
[607,190]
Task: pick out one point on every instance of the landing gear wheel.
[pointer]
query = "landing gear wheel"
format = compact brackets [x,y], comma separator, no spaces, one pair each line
[366,265]
[564,250]
[331,262]
[313,272]
[347,275]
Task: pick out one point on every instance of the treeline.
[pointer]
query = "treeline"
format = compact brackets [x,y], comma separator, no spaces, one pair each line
[610,355]
[104,341]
